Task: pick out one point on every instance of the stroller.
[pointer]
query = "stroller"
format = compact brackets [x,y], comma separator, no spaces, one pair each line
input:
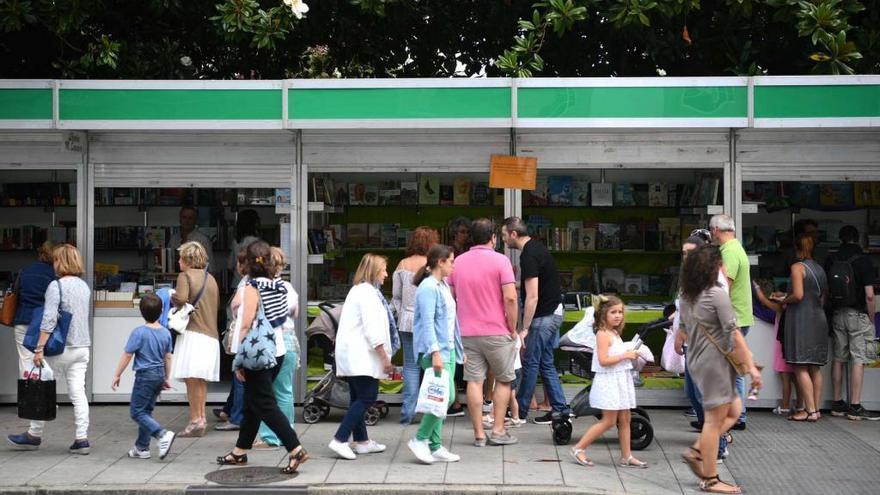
[581,356]
[330,390]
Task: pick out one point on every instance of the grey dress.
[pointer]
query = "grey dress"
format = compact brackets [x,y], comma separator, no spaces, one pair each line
[713,376]
[805,338]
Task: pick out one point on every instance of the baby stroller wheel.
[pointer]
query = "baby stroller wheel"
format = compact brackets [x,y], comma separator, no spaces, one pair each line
[641,412]
[641,432]
[312,413]
[325,411]
[372,416]
[561,431]
[384,410]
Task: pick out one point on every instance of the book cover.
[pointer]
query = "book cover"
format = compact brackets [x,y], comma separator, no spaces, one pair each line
[565,280]
[634,284]
[640,194]
[875,193]
[588,238]
[632,236]
[573,242]
[658,195]
[580,191]
[429,191]
[356,194]
[403,236]
[559,190]
[582,278]
[608,237]
[670,233]
[462,191]
[356,234]
[623,194]
[154,238]
[330,192]
[862,194]
[481,194]
[708,190]
[498,198]
[447,194]
[652,237]
[409,193]
[374,235]
[685,194]
[541,195]
[389,235]
[318,191]
[371,194]
[804,194]
[836,195]
[602,194]
[613,280]
[389,194]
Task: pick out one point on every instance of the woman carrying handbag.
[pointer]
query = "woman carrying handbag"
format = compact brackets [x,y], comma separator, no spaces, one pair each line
[30,293]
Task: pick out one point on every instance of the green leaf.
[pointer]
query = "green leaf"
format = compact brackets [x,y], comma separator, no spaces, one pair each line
[644,19]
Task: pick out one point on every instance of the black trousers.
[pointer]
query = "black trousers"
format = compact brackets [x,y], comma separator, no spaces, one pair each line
[260,405]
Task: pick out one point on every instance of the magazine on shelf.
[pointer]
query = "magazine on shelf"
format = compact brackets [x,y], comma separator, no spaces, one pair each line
[356,194]
[409,193]
[670,233]
[613,280]
[602,194]
[447,195]
[632,236]
[389,235]
[623,194]
[559,190]
[374,235]
[462,191]
[588,238]
[658,195]
[609,237]
[582,278]
[580,191]
[634,284]
[389,194]
[371,194]
[481,194]
[356,235]
[429,191]
[541,195]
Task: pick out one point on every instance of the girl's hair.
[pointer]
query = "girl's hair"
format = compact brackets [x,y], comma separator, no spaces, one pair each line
[369,269]
[258,260]
[601,316]
[699,271]
[804,245]
[67,261]
[279,260]
[44,253]
[436,254]
[193,254]
[421,241]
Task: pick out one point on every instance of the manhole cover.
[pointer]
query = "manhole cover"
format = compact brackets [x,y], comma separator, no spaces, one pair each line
[256,475]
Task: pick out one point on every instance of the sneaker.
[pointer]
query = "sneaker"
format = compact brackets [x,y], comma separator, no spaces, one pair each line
[421,450]
[165,442]
[443,455]
[80,447]
[479,442]
[342,449]
[545,419]
[503,439]
[487,407]
[371,447]
[515,422]
[724,454]
[455,412]
[24,441]
[227,427]
[697,425]
[738,426]
[136,453]
[857,413]
[690,413]
[839,409]
[781,411]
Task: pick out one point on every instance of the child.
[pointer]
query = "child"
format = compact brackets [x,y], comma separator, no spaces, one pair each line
[785,370]
[150,345]
[612,390]
[513,421]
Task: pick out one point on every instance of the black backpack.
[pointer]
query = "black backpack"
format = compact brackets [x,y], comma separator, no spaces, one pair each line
[842,283]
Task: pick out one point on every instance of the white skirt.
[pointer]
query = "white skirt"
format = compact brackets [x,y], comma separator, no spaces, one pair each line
[196,356]
[613,391]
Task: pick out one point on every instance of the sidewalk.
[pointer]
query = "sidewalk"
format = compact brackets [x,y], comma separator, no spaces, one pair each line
[772,456]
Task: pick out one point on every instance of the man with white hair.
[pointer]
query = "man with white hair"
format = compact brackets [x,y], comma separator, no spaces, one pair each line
[736,266]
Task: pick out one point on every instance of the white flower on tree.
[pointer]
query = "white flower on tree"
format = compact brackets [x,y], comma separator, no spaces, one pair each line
[298,7]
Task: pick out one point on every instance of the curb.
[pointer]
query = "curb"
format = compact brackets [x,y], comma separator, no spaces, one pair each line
[347,489]
[384,489]
[95,490]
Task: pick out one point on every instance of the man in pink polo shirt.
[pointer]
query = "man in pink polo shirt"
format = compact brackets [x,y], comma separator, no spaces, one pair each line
[485,294]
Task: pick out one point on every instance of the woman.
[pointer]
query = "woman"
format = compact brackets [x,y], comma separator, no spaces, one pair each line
[259,398]
[710,323]
[31,287]
[805,342]
[283,384]
[247,230]
[460,233]
[73,295]
[438,345]
[403,296]
[230,415]
[197,352]
[363,353]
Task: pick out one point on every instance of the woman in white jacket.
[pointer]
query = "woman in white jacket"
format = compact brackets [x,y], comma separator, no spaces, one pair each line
[363,353]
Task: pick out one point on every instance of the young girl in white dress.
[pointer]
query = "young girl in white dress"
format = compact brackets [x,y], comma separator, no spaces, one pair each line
[613,391]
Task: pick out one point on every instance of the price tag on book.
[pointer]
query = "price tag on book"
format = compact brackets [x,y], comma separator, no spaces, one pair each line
[513,172]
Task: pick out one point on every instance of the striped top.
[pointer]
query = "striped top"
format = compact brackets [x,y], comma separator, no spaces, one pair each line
[274,296]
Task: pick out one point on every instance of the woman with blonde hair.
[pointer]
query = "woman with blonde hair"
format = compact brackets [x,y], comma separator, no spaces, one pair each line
[69,293]
[363,353]
[197,353]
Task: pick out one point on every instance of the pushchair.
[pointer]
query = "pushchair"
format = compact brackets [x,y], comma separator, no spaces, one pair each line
[332,391]
[581,357]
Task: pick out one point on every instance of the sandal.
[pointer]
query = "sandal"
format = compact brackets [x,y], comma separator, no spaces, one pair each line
[194,429]
[812,417]
[294,461]
[711,485]
[632,462]
[231,459]
[583,461]
[799,419]
[694,460]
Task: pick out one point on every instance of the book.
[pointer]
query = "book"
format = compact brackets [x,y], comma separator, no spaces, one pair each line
[389,194]
[632,236]
[341,194]
[580,192]
[634,284]
[608,237]
[498,199]
[481,194]
[804,195]
[331,244]
[371,194]
[657,284]
[670,233]
[356,234]
[623,194]
[318,193]
[541,195]
[447,194]
[461,195]
[707,192]
[658,195]
[652,237]
[602,194]
[862,194]
[875,193]
[559,190]
[356,194]
[429,191]
[640,194]
[574,235]
[565,280]
[582,278]
[588,238]
[403,236]
[613,280]
[374,235]
[836,195]
[409,193]
[154,237]
[389,235]
[330,192]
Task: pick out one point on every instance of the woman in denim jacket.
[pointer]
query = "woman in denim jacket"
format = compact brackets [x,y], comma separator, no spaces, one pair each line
[437,344]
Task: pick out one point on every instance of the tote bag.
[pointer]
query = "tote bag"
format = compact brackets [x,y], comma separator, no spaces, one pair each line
[58,338]
[434,394]
[257,351]
[36,396]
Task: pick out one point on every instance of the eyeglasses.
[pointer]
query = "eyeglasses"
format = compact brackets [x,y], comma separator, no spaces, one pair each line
[702,234]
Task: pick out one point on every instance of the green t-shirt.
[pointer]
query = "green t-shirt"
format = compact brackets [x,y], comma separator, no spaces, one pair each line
[736,262]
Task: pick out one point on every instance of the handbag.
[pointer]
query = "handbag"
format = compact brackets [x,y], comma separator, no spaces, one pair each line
[58,338]
[739,366]
[434,394]
[232,336]
[10,303]
[178,318]
[257,351]
[36,397]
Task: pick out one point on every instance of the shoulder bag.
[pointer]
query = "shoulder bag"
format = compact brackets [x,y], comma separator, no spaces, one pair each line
[178,318]
[58,338]
[10,303]
[738,365]
[257,351]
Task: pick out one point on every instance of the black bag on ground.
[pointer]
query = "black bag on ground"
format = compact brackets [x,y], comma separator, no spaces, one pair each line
[36,398]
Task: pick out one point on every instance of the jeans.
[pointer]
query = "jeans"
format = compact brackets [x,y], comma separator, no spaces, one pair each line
[431,428]
[71,365]
[363,390]
[234,401]
[542,339]
[147,386]
[283,387]
[260,405]
[741,385]
[412,376]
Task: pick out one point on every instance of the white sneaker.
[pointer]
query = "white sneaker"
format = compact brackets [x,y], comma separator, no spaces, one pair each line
[342,450]
[421,450]
[371,447]
[165,442]
[443,455]
[136,453]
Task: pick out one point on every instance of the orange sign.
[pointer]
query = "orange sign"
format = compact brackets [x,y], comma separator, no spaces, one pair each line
[513,172]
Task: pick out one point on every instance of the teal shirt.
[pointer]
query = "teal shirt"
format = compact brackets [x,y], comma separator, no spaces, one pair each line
[736,262]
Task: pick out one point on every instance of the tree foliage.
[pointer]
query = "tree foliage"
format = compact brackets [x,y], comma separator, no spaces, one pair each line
[265,39]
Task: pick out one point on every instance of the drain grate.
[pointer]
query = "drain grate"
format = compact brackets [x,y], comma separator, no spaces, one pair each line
[256,475]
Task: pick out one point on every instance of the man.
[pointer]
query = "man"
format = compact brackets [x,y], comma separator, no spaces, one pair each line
[190,232]
[851,281]
[485,292]
[541,293]
[736,266]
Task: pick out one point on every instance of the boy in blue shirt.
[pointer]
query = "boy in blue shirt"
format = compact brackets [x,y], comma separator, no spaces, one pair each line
[150,345]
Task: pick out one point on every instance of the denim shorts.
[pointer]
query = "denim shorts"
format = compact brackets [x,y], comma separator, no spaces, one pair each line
[516,381]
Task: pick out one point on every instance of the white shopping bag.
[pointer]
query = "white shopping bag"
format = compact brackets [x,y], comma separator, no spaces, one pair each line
[434,394]
[37,373]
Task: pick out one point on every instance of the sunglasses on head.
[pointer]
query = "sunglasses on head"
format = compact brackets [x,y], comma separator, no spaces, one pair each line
[702,234]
